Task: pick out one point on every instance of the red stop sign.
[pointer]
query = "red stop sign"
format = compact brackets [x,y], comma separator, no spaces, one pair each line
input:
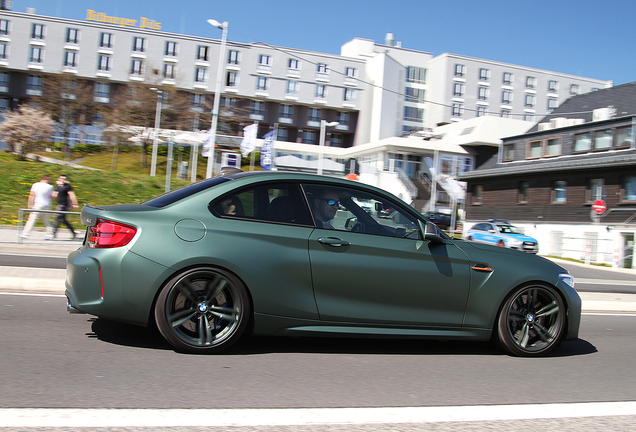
[599,206]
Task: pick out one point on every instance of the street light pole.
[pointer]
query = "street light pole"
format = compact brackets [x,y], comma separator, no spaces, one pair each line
[323,127]
[155,139]
[217,95]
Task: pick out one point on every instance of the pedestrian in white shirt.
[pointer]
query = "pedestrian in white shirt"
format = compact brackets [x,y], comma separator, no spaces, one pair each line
[39,199]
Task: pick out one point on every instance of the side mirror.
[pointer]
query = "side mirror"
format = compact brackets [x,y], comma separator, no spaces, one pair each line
[432,233]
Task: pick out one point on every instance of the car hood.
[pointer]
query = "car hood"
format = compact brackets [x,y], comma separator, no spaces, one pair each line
[474,252]
[520,237]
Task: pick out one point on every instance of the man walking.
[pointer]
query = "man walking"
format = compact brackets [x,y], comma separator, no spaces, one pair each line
[39,199]
[65,198]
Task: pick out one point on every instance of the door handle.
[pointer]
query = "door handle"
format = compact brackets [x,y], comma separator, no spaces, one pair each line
[333,241]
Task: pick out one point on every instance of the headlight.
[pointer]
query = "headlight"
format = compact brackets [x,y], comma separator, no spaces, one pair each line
[567,278]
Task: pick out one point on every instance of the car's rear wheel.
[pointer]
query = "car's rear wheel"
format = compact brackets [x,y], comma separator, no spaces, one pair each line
[202,310]
[531,321]
[501,243]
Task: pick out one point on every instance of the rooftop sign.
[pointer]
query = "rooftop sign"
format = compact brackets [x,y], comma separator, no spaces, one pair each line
[144,23]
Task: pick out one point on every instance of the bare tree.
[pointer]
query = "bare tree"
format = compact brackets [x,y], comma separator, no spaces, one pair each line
[69,101]
[24,129]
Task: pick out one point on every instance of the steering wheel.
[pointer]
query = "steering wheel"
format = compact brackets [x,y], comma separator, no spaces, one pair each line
[358,227]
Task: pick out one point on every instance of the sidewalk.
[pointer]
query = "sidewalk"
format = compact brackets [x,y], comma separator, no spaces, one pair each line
[51,281]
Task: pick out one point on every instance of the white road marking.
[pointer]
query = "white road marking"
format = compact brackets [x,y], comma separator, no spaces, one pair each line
[93,418]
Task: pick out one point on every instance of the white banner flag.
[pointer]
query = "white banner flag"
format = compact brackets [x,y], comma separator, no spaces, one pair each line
[249,139]
[207,144]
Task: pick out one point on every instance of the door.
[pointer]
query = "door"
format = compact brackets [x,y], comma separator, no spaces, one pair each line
[373,268]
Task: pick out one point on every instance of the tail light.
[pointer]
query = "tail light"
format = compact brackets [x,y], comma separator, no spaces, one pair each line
[107,234]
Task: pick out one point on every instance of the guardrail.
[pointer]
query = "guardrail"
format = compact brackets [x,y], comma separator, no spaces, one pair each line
[21,217]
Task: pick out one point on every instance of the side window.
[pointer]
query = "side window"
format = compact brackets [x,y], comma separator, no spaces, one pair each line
[270,202]
[348,209]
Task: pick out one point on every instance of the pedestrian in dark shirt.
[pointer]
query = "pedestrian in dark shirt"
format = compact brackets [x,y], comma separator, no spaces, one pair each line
[66,199]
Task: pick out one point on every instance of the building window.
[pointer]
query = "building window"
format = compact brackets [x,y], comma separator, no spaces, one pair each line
[458,89]
[553,86]
[37,54]
[596,189]
[460,70]
[322,68]
[233,57]
[282,134]
[506,97]
[264,60]
[559,190]
[106,40]
[629,188]
[484,74]
[292,87]
[505,113]
[415,95]
[102,90]
[321,91]
[315,114]
[293,64]
[507,78]
[413,114]
[169,70]
[261,83]
[478,195]
[531,82]
[530,101]
[337,140]
[34,83]
[4,50]
[624,137]
[309,137]
[70,58]
[228,102]
[553,147]
[582,142]
[415,75]
[197,100]
[603,140]
[257,108]
[457,110]
[37,31]
[201,75]
[139,44]
[481,111]
[286,111]
[4,82]
[552,103]
[72,35]
[535,149]
[202,53]
[483,93]
[349,95]
[4,27]
[232,79]
[508,152]
[136,67]
[171,49]
[351,72]
[528,117]
[523,192]
[104,63]
[343,118]
[574,89]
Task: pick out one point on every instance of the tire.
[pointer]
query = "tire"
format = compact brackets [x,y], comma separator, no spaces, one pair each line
[501,243]
[531,321]
[202,310]
[469,238]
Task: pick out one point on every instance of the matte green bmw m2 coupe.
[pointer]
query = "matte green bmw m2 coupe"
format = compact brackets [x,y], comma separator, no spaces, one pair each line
[305,255]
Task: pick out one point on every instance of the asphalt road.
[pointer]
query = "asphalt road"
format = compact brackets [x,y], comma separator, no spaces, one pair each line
[52,359]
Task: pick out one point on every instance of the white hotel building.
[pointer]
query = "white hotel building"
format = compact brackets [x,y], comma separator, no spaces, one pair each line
[377,93]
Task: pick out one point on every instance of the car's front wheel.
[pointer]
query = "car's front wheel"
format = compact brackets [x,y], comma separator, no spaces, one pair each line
[531,321]
[202,310]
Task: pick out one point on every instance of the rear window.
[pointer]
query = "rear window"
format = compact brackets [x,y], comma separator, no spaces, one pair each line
[184,192]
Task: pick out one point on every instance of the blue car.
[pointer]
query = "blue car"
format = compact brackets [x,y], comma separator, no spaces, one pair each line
[501,232]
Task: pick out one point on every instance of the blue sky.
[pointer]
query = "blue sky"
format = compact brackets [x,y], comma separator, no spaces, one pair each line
[591,38]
